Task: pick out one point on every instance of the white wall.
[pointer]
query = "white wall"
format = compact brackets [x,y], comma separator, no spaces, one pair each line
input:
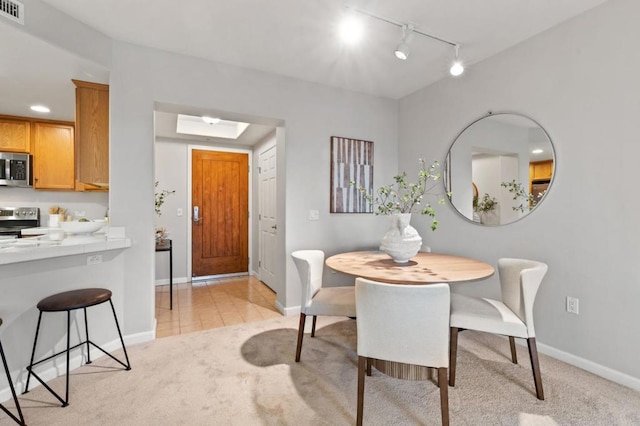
[171,174]
[579,81]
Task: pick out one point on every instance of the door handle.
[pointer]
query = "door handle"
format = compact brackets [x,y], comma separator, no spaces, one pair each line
[196,217]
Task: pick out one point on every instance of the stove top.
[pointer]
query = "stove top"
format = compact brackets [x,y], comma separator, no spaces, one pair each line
[14,219]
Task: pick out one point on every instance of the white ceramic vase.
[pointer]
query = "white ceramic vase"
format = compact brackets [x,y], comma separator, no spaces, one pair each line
[401,241]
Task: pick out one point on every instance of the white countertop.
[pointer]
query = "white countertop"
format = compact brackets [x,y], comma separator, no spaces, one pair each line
[44,247]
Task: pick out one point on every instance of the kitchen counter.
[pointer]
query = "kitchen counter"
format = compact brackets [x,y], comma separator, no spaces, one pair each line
[43,247]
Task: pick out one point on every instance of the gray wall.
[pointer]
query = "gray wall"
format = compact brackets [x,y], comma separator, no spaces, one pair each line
[579,81]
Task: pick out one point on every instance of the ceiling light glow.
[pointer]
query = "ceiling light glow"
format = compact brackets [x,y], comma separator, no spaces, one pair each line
[351,30]
[210,120]
[537,151]
[456,69]
[40,108]
[218,128]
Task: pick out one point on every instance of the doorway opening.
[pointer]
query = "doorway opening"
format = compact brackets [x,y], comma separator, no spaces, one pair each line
[178,157]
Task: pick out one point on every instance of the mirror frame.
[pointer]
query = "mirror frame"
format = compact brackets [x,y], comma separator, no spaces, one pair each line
[447,165]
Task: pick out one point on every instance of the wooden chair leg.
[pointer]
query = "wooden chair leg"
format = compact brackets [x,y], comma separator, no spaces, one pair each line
[369,366]
[444,395]
[303,317]
[453,352]
[535,366]
[514,355]
[362,361]
[313,326]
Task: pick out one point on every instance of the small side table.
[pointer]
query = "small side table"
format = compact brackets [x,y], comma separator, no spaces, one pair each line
[166,245]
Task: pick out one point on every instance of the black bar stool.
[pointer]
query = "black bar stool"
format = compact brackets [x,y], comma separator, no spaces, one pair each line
[20,420]
[69,301]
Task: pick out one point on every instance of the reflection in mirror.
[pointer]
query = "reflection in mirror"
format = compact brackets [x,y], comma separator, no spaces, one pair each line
[499,168]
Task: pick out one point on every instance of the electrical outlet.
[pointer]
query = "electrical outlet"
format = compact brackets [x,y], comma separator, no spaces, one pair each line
[573,305]
[314,215]
[94,259]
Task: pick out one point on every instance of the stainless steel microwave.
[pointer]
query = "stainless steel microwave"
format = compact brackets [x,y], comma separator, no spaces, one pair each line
[15,169]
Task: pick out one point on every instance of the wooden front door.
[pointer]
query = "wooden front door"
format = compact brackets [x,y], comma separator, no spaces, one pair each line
[220,194]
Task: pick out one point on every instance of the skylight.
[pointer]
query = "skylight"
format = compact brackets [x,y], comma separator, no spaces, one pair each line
[195,125]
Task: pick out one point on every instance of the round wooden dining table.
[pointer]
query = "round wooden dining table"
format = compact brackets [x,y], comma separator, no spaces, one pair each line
[424,268]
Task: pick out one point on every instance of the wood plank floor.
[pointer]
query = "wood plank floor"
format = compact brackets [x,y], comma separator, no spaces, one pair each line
[213,303]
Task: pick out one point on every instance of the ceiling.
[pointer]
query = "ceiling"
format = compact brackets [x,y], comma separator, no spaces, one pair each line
[293,38]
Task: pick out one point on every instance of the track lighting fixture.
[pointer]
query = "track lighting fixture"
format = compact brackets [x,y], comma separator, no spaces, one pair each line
[456,68]
[402,50]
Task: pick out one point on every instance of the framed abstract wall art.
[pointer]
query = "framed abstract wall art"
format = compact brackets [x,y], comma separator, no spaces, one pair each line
[351,161]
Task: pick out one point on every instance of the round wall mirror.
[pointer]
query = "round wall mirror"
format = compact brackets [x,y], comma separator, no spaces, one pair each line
[499,168]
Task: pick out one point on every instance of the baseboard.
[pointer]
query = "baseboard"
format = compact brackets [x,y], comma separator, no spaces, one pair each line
[134,339]
[177,280]
[295,310]
[590,366]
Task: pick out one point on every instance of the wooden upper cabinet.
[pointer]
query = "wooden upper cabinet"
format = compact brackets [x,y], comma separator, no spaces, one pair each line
[92,135]
[53,156]
[15,134]
[541,170]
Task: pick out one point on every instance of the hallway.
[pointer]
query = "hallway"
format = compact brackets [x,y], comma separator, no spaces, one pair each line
[213,303]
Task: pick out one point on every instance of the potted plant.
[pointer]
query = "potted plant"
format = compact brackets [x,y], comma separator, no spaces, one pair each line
[161,232]
[399,200]
[486,209]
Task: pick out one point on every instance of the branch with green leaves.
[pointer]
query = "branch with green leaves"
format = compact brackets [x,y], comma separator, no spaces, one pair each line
[160,196]
[406,197]
[526,200]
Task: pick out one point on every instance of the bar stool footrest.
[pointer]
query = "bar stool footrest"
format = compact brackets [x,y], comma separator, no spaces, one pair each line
[127,367]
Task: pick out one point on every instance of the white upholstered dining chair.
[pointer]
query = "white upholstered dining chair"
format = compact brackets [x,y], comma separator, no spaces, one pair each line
[403,323]
[512,316]
[316,299]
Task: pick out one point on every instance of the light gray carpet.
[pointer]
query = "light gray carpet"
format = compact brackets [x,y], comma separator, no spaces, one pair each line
[246,375]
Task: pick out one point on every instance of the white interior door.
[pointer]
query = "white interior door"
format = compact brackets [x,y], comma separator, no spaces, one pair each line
[267,216]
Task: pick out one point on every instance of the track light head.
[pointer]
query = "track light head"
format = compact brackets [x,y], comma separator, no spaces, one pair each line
[402,51]
[456,68]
